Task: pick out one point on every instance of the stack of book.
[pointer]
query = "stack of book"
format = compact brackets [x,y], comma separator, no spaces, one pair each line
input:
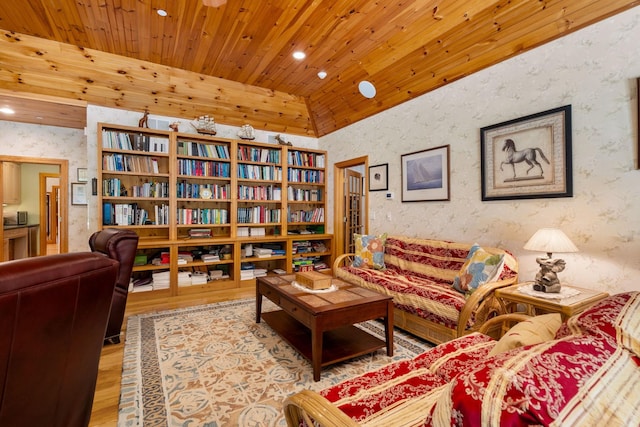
[259,272]
[199,278]
[217,275]
[242,231]
[246,271]
[262,252]
[184,258]
[160,280]
[199,233]
[210,258]
[184,278]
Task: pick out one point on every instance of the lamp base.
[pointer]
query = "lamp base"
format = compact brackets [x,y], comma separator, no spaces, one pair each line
[547,278]
[550,289]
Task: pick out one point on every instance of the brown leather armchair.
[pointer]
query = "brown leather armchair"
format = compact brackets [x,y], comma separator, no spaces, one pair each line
[53,314]
[120,245]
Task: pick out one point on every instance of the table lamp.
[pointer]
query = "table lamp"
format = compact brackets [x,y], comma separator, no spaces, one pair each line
[549,240]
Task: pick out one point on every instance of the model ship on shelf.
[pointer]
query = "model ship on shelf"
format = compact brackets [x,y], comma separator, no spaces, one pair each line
[204,125]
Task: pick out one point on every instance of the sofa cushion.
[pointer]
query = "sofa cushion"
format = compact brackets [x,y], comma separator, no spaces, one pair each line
[434,301]
[616,317]
[532,331]
[577,380]
[369,251]
[479,268]
[401,393]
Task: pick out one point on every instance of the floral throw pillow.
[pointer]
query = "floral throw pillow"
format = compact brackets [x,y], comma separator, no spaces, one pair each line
[369,251]
[480,267]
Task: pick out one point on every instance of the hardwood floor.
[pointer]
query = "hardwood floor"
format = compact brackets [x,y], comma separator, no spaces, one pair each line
[105,404]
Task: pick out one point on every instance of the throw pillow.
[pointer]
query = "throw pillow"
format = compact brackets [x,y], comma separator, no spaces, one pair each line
[533,331]
[480,267]
[369,251]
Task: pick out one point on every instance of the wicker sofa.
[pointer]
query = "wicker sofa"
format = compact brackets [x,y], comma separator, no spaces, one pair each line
[586,374]
[419,274]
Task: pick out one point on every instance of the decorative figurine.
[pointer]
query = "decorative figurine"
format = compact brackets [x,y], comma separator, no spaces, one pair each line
[246,132]
[144,121]
[204,125]
[174,126]
[547,278]
[281,140]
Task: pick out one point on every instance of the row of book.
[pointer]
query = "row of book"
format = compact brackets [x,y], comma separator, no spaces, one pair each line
[302,195]
[313,215]
[249,271]
[130,163]
[301,175]
[190,148]
[258,215]
[264,172]
[299,158]
[113,187]
[250,231]
[256,154]
[260,192]
[132,214]
[134,141]
[192,167]
[188,190]
[203,216]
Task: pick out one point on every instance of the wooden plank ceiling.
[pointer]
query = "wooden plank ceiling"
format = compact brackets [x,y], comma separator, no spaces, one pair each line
[235,61]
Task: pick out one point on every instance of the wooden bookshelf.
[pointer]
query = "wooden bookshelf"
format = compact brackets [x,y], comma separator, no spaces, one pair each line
[189,194]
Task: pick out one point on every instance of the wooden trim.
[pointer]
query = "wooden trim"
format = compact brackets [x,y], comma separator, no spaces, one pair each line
[64,193]
[338,196]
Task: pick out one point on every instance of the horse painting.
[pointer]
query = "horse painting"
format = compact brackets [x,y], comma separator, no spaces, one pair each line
[528,155]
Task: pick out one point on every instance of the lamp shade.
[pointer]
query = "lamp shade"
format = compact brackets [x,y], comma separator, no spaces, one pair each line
[550,240]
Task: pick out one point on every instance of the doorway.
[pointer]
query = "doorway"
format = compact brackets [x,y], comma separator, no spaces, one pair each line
[34,202]
[49,213]
[351,203]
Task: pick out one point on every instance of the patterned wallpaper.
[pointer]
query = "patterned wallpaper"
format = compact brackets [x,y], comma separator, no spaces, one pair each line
[21,139]
[594,70]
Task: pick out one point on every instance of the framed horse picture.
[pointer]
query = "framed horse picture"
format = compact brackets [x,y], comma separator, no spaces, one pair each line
[528,157]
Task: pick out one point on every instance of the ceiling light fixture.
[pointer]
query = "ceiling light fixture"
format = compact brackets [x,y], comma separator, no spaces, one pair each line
[7,110]
[322,74]
[214,3]
[367,89]
[162,12]
[299,55]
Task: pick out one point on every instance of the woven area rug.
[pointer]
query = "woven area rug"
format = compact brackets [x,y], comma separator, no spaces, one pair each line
[214,366]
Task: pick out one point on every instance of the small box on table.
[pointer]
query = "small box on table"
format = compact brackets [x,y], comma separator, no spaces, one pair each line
[314,280]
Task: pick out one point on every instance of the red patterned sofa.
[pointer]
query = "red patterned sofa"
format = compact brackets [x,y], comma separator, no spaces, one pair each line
[587,375]
[419,274]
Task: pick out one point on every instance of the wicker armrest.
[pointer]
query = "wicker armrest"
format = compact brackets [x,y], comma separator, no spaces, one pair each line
[482,303]
[342,260]
[314,410]
[505,321]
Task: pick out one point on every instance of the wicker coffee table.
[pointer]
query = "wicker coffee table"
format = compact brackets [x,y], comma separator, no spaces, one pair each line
[321,325]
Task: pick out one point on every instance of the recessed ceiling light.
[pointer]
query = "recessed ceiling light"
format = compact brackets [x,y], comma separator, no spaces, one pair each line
[299,55]
[367,89]
[162,12]
[7,110]
[322,74]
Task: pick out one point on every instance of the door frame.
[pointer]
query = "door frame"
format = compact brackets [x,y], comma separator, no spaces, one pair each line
[63,166]
[338,197]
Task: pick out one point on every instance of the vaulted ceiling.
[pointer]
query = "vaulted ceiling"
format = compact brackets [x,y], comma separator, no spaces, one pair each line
[235,62]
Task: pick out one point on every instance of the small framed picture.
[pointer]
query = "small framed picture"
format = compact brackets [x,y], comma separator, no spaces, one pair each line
[379,177]
[78,193]
[425,175]
[82,175]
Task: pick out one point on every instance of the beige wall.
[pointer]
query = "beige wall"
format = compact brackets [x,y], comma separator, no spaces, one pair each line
[594,70]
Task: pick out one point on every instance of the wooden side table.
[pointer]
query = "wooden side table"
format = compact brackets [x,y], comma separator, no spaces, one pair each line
[510,297]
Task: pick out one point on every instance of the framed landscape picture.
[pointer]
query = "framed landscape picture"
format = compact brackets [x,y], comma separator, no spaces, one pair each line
[425,175]
[527,158]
